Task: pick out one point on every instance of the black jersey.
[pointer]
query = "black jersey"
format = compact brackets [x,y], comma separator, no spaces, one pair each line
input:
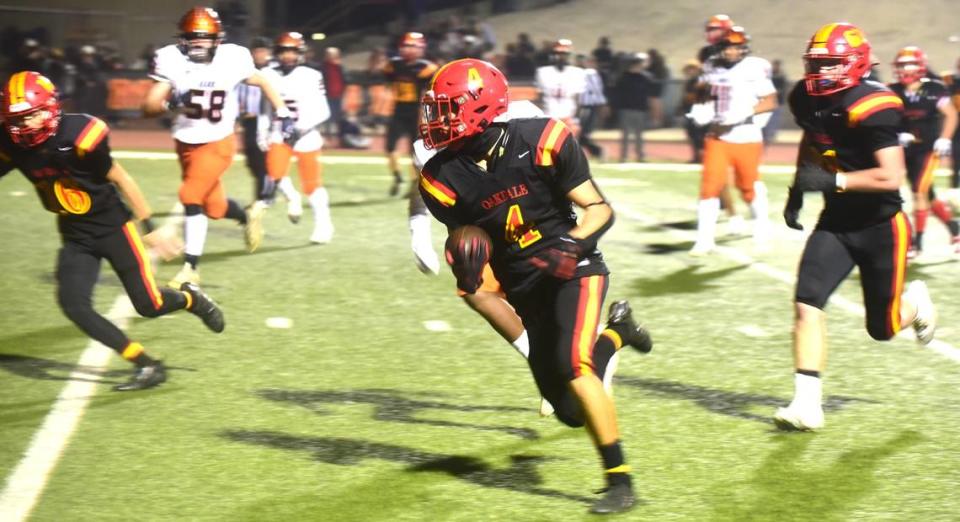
[846,129]
[69,171]
[921,110]
[408,80]
[519,199]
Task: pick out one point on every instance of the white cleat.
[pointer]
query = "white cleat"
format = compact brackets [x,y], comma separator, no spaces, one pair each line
[701,249]
[295,208]
[546,409]
[253,229]
[425,257]
[795,418]
[737,226]
[322,233]
[925,322]
[187,274]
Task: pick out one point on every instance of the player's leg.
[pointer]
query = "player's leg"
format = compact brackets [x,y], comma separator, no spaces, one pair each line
[396,127]
[279,156]
[920,167]
[882,258]
[716,163]
[193,189]
[256,160]
[942,210]
[130,260]
[746,166]
[825,263]
[77,271]
[311,180]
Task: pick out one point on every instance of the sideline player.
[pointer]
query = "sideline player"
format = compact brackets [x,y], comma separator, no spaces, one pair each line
[302,89]
[561,84]
[67,159]
[928,125]
[742,98]
[849,152]
[198,77]
[518,181]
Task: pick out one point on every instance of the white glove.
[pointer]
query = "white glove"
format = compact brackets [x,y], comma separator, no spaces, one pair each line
[906,138]
[701,114]
[941,147]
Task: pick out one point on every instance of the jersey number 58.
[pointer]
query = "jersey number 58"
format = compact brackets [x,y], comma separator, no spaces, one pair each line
[194,106]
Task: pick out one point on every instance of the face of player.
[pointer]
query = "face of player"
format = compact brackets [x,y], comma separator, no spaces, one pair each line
[908,73]
[200,49]
[289,58]
[732,53]
[261,56]
[411,52]
[26,129]
[713,34]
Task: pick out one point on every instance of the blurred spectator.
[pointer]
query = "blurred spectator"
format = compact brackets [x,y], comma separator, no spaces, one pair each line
[369,77]
[144,62]
[91,89]
[524,45]
[62,73]
[519,64]
[631,98]
[333,77]
[30,56]
[603,55]
[487,39]
[592,104]
[691,95]
[657,67]
[779,80]
[544,55]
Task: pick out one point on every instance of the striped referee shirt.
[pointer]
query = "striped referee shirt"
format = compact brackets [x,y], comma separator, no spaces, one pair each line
[593,94]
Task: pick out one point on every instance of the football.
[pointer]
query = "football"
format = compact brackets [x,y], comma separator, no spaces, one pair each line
[465,242]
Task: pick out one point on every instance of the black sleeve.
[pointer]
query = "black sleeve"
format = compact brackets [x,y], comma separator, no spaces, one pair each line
[572,166]
[881,128]
[6,164]
[440,200]
[98,161]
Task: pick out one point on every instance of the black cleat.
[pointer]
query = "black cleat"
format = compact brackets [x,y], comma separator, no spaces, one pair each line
[616,499]
[397,183]
[145,377]
[204,307]
[637,336]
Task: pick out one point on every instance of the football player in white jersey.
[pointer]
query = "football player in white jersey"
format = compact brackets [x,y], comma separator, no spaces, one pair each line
[742,97]
[561,84]
[302,89]
[197,78]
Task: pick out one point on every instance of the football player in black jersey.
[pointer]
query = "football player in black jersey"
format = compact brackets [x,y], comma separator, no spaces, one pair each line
[67,159]
[928,125]
[518,180]
[952,81]
[407,75]
[850,153]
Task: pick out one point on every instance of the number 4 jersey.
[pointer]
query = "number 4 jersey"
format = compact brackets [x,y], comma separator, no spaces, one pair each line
[208,90]
[519,198]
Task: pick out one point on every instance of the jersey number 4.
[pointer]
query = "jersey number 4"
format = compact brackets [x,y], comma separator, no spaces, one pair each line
[194,106]
[518,232]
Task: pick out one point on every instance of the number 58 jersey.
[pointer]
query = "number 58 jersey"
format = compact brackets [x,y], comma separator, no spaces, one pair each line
[208,90]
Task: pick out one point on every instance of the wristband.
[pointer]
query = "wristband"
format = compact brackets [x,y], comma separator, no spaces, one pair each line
[147,224]
[284,112]
[841,182]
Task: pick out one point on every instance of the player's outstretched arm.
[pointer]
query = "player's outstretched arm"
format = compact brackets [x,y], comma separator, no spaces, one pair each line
[156,102]
[273,96]
[597,214]
[166,244]
[888,175]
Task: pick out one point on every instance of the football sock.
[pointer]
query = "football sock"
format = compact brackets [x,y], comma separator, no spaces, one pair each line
[608,342]
[191,260]
[286,187]
[808,387]
[707,212]
[522,345]
[320,203]
[942,211]
[135,353]
[416,206]
[235,212]
[617,471]
[194,233]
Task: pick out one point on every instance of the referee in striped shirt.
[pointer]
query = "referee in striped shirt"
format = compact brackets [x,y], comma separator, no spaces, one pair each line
[255,122]
[592,103]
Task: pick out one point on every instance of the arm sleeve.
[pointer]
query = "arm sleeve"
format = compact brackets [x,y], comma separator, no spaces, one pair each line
[440,199]
[99,160]
[572,166]
[881,128]
[161,69]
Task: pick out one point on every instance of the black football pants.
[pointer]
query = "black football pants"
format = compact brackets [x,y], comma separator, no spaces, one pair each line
[78,266]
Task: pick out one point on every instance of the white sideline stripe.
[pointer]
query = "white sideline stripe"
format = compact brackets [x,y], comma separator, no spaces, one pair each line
[28,480]
[937,346]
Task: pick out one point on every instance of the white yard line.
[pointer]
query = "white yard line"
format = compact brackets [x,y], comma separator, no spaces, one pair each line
[937,346]
[28,480]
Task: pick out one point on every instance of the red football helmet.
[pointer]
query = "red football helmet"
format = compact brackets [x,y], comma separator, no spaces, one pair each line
[28,96]
[837,58]
[463,99]
[910,65]
[198,24]
[716,26]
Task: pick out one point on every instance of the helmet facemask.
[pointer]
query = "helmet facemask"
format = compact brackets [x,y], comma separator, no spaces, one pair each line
[33,127]
[827,74]
[199,47]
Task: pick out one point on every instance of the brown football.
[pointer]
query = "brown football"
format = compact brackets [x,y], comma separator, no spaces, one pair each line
[462,242]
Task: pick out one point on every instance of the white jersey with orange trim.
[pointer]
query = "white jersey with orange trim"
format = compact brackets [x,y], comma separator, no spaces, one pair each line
[303,91]
[516,110]
[736,91]
[561,89]
[208,90]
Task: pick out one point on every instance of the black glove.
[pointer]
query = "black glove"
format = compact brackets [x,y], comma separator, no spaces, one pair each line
[288,130]
[811,177]
[560,260]
[791,211]
[467,259]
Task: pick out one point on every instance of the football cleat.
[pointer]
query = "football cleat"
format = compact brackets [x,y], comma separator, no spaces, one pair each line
[145,377]
[913,252]
[253,228]
[322,233]
[396,184]
[204,307]
[797,418]
[638,336]
[737,226]
[295,208]
[925,321]
[546,409]
[701,249]
[187,274]
[616,499]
